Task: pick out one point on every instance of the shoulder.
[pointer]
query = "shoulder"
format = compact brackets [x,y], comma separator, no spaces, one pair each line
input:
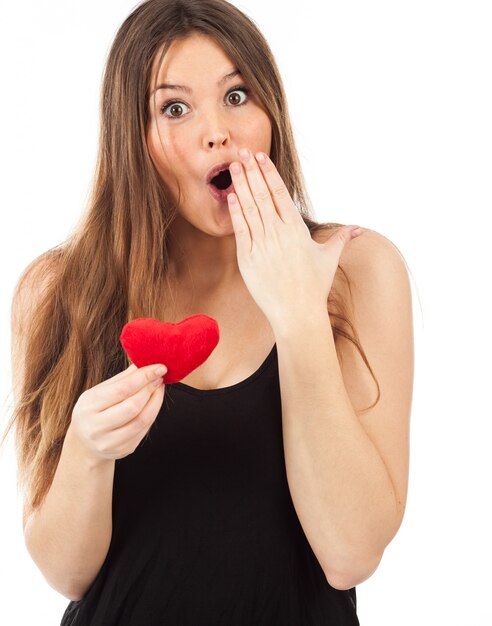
[28,293]
[370,244]
[370,257]
[33,283]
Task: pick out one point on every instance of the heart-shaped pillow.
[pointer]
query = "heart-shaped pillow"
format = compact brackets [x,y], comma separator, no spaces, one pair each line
[181,347]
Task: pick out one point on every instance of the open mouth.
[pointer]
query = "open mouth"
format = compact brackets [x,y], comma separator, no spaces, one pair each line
[221,185]
[222,181]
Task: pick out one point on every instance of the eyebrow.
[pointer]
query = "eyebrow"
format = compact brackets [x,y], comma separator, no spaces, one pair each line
[189,89]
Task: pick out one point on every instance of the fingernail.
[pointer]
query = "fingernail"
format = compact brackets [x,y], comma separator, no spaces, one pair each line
[244,154]
[356,232]
[159,371]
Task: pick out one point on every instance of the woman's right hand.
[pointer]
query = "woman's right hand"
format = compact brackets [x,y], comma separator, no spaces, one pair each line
[110,419]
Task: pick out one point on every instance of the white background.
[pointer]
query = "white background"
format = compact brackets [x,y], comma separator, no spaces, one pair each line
[391,105]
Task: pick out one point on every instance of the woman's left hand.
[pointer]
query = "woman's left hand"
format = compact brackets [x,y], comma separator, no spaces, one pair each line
[287,272]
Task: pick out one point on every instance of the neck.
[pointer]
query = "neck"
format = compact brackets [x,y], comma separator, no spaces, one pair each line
[201,262]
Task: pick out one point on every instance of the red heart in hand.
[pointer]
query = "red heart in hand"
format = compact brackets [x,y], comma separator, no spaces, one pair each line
[181,347]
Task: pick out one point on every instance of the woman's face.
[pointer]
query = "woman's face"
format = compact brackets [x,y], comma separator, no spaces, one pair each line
[203,127]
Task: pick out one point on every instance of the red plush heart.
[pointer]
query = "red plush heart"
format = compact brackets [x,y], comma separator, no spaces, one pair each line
[181,347]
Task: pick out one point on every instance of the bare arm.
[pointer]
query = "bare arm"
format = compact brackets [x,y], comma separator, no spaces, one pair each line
[69,535]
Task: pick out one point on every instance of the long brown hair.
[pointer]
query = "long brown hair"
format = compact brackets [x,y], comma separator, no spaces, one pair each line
[112,267]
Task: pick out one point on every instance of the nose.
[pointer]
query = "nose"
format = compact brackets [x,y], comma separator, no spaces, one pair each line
[216,132]
[217,138]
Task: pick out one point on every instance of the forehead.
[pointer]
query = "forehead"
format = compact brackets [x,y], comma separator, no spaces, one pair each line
[196,52]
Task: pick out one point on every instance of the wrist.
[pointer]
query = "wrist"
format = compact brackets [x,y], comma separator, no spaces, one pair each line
[300,322]
[75,447]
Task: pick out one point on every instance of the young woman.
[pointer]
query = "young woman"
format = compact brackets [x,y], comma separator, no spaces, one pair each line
[265,485]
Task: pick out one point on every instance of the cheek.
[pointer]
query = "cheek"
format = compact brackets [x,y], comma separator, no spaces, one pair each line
[178,148]
[168,152]
[176,145]
[260,128]
[267,127]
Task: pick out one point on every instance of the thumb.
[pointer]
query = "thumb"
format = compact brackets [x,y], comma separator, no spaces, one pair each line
[335,245]
[343,235]
[354,231]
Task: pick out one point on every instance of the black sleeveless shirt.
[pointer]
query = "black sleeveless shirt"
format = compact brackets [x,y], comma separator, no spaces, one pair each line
[204,528]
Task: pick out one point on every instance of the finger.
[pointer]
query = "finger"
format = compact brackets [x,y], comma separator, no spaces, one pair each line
[259,189]
[341,237]
[246,200]
[121,414]
[240,225]
[123,374]
[142,420]
[105,396]
[284,204]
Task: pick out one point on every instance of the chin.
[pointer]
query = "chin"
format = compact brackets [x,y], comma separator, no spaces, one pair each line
[215,227]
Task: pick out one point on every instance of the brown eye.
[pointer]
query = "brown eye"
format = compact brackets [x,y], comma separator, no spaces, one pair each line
[175,107]
[233,95]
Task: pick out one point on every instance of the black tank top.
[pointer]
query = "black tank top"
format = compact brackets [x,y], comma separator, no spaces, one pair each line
[204,528]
